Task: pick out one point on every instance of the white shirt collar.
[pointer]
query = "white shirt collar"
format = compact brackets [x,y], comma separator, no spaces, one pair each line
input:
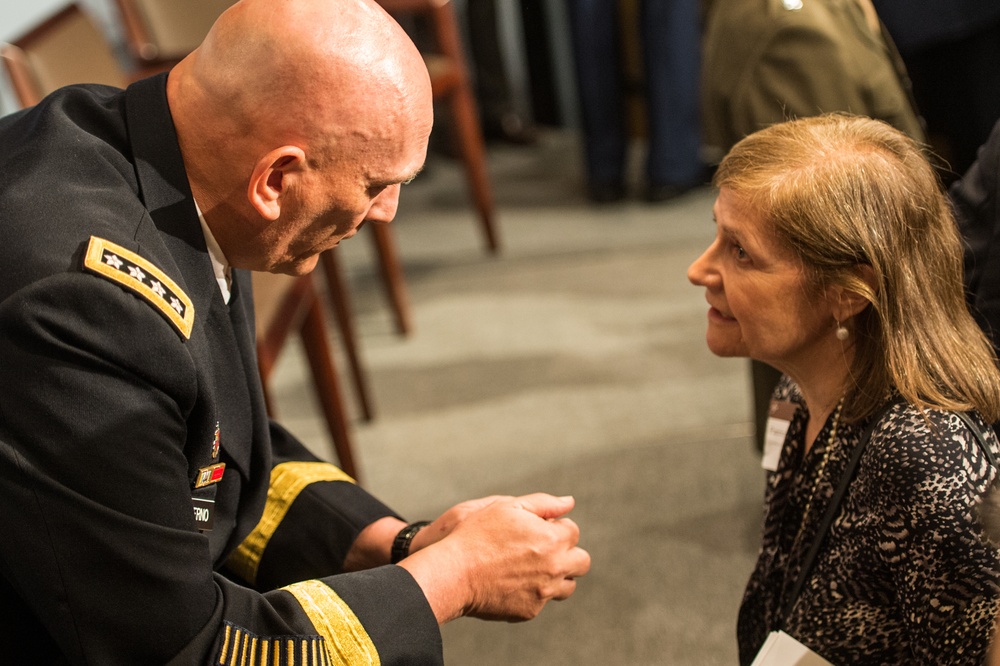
[223,273]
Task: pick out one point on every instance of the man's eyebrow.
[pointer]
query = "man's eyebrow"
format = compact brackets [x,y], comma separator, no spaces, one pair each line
[412,176]
[392,181]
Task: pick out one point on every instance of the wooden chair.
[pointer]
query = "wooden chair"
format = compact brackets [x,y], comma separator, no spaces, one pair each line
[64,49]
[341,305]
[164,31]
[284,305]
[450,81]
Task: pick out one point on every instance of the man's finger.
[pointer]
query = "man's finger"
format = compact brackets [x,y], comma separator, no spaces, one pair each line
[546,506]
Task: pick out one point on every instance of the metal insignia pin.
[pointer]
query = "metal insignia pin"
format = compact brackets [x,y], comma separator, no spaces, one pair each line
[216,441]
[209,475]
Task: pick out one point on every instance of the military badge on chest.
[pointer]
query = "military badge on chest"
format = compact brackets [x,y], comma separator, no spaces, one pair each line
[212,473]
[204,482]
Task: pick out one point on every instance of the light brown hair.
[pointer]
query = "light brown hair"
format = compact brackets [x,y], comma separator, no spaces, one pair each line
[845,192]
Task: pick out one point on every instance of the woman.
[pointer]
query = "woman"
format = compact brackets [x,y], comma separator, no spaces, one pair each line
[836,260]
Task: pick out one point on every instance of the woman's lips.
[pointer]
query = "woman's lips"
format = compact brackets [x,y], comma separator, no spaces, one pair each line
[715,315]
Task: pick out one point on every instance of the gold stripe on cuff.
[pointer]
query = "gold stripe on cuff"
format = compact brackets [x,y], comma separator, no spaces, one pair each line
[347,642]
[287,481]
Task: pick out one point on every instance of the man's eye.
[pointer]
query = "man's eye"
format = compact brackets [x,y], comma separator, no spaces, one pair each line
[740,253]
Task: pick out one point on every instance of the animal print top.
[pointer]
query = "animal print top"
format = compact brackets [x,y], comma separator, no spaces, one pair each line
[904,576]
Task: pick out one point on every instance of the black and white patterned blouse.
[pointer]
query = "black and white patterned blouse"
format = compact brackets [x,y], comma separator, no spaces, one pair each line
[904,576]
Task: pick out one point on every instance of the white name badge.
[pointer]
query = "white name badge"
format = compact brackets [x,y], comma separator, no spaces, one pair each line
[779,418]
[780,649]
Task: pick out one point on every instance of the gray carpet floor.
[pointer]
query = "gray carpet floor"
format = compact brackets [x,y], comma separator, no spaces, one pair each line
[574,363]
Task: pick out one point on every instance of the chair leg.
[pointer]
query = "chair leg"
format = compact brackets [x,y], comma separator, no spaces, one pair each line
[392,276]
[465,118]
[341,304]
[264,376]
[470,141]
[317,350]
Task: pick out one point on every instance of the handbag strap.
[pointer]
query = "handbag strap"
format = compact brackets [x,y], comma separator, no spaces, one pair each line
[831,511]
[977,432]
[845,481]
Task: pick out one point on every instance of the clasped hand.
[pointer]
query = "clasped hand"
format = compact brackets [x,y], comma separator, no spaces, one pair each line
[498,558]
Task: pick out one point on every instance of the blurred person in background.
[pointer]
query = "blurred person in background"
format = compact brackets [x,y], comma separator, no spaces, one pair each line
[670,38]
[952,51]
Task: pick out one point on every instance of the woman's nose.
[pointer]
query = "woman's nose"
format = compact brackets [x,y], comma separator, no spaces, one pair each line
[700,269]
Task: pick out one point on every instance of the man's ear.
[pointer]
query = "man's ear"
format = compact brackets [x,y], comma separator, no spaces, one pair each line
[268,182]
[849,302]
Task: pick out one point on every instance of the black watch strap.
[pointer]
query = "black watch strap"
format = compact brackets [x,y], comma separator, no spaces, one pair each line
[401,544]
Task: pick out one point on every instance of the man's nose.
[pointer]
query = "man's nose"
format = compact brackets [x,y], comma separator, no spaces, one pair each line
[384,206]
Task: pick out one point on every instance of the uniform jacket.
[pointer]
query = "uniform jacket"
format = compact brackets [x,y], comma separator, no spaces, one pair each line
[127,382]
[766,61]
[976,208]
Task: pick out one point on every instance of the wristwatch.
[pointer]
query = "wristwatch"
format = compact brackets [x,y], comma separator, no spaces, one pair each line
[401,544]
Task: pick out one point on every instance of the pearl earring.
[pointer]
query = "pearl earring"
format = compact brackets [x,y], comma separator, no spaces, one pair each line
[842,333]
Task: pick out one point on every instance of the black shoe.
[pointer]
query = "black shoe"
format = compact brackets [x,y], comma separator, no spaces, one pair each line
[510,128]
[605,193]
[662,193]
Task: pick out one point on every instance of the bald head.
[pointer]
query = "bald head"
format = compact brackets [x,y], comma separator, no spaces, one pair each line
[329,78]
[285,63]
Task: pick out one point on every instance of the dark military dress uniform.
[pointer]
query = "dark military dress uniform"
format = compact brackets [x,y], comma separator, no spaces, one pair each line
[149,510]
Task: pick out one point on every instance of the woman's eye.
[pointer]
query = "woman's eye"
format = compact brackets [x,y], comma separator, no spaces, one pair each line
[740,253]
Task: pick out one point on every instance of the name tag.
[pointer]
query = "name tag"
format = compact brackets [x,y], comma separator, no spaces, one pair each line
[204,513]
[780,649]
[779,419]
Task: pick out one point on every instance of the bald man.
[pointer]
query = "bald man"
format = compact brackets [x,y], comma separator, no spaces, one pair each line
[151,513]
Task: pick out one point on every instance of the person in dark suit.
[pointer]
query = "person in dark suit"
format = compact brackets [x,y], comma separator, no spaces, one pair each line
[151,511]
[974,197]
[670,38]
[951,49]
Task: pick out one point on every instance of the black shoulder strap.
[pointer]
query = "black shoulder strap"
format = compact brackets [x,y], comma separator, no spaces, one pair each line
[977,432]
[832,509]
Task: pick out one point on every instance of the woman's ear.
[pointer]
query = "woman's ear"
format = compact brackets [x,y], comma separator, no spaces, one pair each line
[269,179]
[850,302]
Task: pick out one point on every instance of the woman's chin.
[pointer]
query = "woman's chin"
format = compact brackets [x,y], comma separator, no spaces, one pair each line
[725,346]
[726,349]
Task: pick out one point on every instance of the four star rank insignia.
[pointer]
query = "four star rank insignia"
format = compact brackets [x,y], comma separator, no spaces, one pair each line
[139,275]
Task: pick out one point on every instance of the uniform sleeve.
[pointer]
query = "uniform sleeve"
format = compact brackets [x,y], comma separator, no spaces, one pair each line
[102,547]
[313,514]
[944,575]
[800,73]
[811,65]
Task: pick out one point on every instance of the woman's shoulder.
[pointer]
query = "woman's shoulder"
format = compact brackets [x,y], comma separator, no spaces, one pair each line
[908,438]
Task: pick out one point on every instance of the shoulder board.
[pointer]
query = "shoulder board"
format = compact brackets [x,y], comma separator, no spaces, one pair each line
[136,273]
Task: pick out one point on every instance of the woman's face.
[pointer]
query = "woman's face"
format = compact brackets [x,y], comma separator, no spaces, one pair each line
[761,303]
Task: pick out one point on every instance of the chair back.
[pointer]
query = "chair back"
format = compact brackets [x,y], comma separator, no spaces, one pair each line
[67,48]
[167,30]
